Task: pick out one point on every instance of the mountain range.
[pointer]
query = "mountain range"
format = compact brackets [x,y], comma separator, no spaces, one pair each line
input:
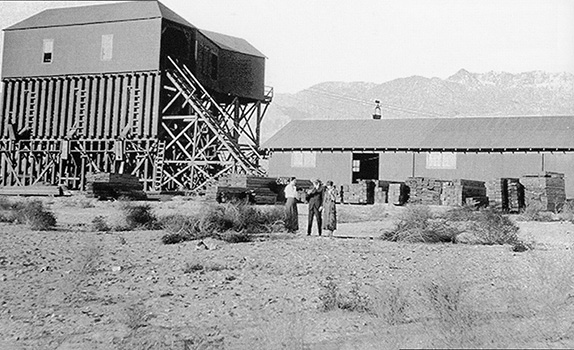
[462,94]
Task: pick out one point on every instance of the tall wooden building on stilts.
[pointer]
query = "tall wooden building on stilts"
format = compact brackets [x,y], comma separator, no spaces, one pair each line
[127,88]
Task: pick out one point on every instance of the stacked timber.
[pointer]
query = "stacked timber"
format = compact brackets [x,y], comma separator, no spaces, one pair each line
[496,193]
[34,190]
[302,186]
[506,194]
[547,189]
[380,195]
[262,190]
[460,192]
[514,195]
[210,193]
[424,190]
[112,185]
[397,193]
[362,192]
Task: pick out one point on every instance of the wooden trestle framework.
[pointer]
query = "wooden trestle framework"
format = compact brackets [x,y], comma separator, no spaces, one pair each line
[163,127]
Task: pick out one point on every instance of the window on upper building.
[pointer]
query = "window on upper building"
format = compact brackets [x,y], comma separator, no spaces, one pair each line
[107,47]
[48,51]
[356,165]
[303,159]
[440,160]
[214,66]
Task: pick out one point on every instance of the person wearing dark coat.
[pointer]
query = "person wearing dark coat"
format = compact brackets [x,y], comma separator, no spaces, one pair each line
[315,200]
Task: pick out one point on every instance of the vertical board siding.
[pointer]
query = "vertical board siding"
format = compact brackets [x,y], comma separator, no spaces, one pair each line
[99,120]
[6,107]
[56,111]
[110,105]
[108,113]
[61,125]
[156,106]
[21,107]
[91,115]
[147,103]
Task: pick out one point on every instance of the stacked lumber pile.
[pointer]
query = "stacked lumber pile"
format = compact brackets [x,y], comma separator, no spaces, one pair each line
[547,189]
[301,184]
[265,190]
[210,193]
[398,193]
[495,191]
[362,192]
[424,190]
[260,188]
[112,185]
[459,192]
[380,195]
[506,194]
[34,190]
[229,194]
[514,195]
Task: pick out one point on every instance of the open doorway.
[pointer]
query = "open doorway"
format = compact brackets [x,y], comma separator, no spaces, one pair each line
[365,166]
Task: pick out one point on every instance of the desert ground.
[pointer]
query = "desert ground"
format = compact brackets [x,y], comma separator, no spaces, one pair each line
[73,288]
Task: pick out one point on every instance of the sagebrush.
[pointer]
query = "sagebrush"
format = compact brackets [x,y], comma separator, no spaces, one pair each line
[32,213]
[485,226]
[231,222]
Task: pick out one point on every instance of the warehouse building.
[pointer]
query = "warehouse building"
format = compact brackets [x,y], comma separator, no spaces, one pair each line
[475,148]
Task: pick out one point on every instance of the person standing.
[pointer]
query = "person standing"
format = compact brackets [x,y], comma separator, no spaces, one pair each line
[329,208]
[315,200]
[291,213]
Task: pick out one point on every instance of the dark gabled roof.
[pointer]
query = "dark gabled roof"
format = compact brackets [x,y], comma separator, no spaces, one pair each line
[232,43]
[113,12]
[481,134]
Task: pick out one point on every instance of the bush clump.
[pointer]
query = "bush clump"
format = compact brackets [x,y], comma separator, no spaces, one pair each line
[534,211]
[231,222]
[32,213]
[139,216]
[491,227]
[418,224]
[99,224]
[352,300]
[485,226]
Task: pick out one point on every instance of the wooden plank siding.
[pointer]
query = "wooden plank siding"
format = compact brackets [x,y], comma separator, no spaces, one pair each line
[109,105]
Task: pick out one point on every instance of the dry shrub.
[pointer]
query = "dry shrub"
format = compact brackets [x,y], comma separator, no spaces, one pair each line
[332,298]
[191,267]
[456,322]
[418,224]
[491,227]
[392,305]
[32,213]
[231,222]
[534,211]
[138,216]
[485,226]
[99,224]
[78,202]
[566,213]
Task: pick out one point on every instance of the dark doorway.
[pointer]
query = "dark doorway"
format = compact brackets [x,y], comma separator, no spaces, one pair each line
[365,166]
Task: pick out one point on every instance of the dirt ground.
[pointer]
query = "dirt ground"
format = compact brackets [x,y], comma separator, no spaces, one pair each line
[73,288]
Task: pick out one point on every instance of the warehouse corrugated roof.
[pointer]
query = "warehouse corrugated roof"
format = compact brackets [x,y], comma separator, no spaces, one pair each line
[424,134]
[232,43]
[115,12]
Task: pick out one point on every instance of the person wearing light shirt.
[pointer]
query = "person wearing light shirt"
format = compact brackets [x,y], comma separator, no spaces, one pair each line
[291,213]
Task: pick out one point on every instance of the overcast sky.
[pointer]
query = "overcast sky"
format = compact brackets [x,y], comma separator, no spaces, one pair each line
[312,41]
